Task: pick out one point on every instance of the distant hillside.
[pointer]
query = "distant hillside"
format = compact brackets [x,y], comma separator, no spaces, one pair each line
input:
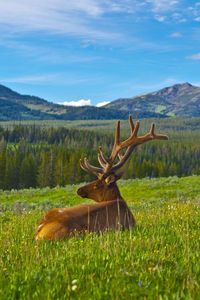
[14,106]
[177,100]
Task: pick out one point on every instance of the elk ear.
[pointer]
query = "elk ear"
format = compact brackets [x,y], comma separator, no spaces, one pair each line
[110,179]
[113,178]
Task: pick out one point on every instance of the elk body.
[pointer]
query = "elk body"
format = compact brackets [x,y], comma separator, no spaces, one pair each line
[110,212]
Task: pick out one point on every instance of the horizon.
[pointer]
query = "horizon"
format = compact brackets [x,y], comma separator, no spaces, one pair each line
[97,51]
[100,104]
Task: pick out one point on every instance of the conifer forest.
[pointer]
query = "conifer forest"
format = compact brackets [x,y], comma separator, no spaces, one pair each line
[34,155]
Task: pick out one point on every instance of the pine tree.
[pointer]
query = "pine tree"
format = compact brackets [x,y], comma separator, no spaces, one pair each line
[28,172]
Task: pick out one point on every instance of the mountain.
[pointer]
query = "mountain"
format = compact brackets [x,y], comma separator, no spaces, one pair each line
[177,100]
[14,106]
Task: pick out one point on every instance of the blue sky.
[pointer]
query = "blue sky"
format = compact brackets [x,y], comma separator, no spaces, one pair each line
[91,51]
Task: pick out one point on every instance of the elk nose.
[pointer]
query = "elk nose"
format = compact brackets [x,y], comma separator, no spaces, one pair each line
[82,193]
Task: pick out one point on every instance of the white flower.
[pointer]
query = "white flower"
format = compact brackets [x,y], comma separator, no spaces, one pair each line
[74,287]
[74,281]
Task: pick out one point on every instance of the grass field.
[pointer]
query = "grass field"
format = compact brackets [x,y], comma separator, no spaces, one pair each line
[169,124]
[157,260]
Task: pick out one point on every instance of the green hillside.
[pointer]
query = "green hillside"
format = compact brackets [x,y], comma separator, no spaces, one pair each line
[14,106]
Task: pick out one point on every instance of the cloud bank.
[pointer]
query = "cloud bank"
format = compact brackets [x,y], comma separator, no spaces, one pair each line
[84,18]
[81,102]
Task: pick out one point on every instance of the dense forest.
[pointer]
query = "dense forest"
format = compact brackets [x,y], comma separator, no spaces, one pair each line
[34,156]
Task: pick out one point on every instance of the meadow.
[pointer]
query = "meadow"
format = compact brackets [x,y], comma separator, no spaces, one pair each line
[157,260]
[174,126]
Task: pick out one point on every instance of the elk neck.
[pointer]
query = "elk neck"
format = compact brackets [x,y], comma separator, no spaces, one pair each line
[113,193]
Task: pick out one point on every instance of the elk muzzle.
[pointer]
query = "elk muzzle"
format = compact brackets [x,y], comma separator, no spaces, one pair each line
[82,193]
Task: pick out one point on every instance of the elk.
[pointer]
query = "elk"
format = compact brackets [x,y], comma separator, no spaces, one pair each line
[110,212]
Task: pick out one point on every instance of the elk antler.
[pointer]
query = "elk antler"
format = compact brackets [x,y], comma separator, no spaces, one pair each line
[86,166]
[107,164]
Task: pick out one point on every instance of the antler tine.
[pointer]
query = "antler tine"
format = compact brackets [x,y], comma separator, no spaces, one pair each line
[151,135]
[102,156]
[152,129]
[137,126]
[132,126]
[117,133]
[134,140]
[128,142]
[131,123]
[123,159]
[83,165]
[86,166]
[92,168]
[116,145]
[101,161]
[129,150]
[157,136]
[120,156]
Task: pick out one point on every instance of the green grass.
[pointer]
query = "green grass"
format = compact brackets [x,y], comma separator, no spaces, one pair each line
[157,260]
[168,123]
[160,108]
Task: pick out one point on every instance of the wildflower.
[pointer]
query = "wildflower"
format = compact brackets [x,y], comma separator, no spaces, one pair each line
[74,287]
[74,284]
[74,281]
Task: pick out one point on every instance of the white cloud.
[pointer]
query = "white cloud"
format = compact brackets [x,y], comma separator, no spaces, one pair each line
[81,102]
[160,18]
[88,20]
[34,79]
[194,56]
[44,79]
[178,17]
[163,5]
[74,18]
[195,11]
[102,103]
[82,18]
[176,35]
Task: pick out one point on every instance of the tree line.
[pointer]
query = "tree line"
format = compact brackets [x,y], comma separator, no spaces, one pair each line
[38,157]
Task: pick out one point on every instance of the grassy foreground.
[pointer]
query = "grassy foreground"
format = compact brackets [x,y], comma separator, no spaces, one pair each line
[157,260]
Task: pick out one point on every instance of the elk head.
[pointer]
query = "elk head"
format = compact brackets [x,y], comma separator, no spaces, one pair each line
[105,187]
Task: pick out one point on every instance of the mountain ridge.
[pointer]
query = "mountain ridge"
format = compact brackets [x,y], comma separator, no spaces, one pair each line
[14,106]
[182,99]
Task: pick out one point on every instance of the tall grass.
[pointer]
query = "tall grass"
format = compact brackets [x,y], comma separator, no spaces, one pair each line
[157,260]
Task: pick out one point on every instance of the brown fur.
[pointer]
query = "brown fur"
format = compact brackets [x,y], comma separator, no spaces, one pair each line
[107,214]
